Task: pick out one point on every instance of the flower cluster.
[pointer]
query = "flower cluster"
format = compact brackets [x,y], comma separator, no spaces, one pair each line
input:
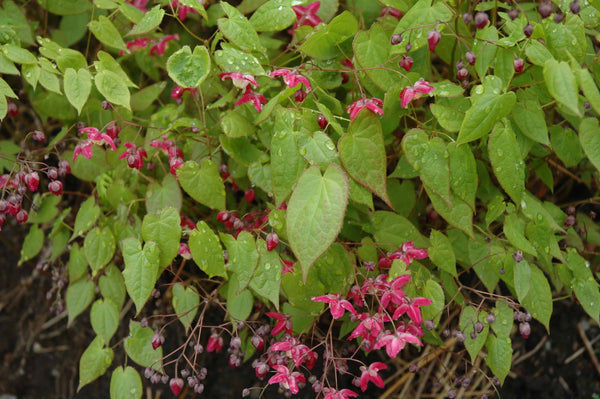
[170,149]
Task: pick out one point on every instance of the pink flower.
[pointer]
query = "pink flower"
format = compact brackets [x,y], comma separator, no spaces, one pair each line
[239,80]
[337,305]
[411,308]
[174,164]
[255,98]
[373,104]
[283,323]
[160,47]
[292,79]
[306,16]
[94,137]
[408,253]
[394,343]
[371,374]
[369,327]
[287,379]
[410,93]
[215,343]
[287,267]
[139,4]
[331,393]
[391,11]
[394,293]
[137,44]
[182,10]
[135,156]
[184,251]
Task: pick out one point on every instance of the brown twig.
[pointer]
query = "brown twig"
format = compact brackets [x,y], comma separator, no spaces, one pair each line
[588,346]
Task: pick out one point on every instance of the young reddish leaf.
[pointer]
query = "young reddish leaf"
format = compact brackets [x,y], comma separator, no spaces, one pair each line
[362,152]
[316,212]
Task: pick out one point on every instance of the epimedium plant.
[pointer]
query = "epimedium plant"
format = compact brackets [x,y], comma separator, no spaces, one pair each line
[353,172]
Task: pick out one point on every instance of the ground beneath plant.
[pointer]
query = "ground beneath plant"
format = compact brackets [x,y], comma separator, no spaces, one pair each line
[39,353]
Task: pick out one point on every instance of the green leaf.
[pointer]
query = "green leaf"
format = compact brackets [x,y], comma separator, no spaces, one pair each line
[185,303]
[104,317]
[31,73]
[441,252]
[538,300]
[531,120]
[567,39]
[65,7]
[463,173]
[316,212]
[141,269]
[392,230]
[94,362]
[325,42]
[266,280]
[286,162]
[507,162]
[433,291]
[77,263]
[372,52]
[126,384]
[142,99]
[105,31]
[203,184]
[238,29]
[230,59]
[138,346]
[499,356]
[430,158]
[561,84]
[537,53]
[260,175]
[239,303]
[522,278]
[78,86]
[589,137]
[6,90]
[149,22]
[362,152]
[584,284]
[566,146]
[164,228]
[113,88]
[483,115]
[484,48]
[468,317]
[273,16]
[68,58]
[486,260]
[106,62]
[207,251]
[589,87]
[318,149]
[33,243]
[449,118]
[18,54]
[50,104]
[164,194]
[189,69]
[78,297]
[86,216]
[514,228]
[235,125]
[243,257]
[504,320]
[99,248]
[504,67]
[112,285]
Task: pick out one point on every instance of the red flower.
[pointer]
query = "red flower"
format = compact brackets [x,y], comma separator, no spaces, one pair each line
[411,308]
[94,137]
[287,267]
[283,323]
[135,156]
[139,4]
[391,11]
[160,47]
[410,93]
[408,253]
[137,44]
[369,327]
[394,293]
[371,374]
[292,79]
[394,343]
[239,80]
[215,343]
[184,251]
[306,16]
[287,379]
[255,98]
[182,10]
[337,304]
[373,104]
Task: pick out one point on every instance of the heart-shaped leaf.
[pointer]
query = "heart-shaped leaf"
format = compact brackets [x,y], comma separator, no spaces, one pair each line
[164,229]
[78,86]
[126,384]
[203,184]
[185,303]
[189,69]
[141,269]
